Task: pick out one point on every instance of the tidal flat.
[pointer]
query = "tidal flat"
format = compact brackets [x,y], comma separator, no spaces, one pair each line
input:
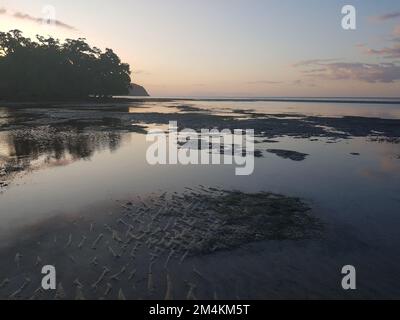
[77,193]
[136,249]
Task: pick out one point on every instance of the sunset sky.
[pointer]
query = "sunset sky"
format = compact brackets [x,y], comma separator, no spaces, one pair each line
[233,47]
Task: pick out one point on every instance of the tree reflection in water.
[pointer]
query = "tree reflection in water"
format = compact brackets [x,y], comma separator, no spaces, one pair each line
[34,148]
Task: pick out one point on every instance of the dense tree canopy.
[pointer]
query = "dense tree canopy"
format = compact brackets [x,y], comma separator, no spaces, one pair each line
[49,69]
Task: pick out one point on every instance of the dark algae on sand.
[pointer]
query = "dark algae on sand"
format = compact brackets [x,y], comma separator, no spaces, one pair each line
[288,154]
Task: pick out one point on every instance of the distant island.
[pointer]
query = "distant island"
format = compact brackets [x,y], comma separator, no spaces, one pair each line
[47,69]
[136,90]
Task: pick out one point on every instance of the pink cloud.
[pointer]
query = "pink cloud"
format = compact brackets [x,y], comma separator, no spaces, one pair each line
[365,72]
[58,23]
[388,16]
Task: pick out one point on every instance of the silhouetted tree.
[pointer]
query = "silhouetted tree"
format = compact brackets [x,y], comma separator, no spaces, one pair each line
[50,69]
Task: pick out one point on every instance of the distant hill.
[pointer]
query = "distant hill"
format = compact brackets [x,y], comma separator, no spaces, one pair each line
[136,90]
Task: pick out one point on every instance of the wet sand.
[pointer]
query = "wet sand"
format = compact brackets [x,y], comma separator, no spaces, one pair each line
[141,246]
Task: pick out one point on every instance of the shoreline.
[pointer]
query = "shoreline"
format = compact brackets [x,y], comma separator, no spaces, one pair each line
[350,100]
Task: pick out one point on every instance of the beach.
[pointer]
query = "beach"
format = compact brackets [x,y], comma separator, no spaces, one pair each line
[78,193]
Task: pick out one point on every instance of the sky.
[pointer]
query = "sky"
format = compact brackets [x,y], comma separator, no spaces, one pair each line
[236,48]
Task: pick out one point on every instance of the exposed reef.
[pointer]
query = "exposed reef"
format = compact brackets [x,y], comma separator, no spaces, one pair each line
[268,126]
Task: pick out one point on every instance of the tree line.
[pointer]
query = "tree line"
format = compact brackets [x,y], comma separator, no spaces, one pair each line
[46,68]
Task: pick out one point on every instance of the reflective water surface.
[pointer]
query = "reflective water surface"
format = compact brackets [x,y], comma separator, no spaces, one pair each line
[352,185]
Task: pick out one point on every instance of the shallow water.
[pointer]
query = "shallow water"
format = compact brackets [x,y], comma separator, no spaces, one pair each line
[356,197]
[331,109]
